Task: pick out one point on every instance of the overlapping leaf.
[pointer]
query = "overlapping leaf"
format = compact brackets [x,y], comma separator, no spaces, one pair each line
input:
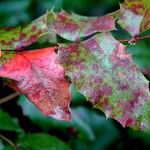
[102,70]
[73,26]
[16,38]
[70,27]
[39,76]
[134,16]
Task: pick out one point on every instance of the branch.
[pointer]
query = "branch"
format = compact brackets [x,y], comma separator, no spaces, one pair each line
[9,97]
[135,39]
[9,142]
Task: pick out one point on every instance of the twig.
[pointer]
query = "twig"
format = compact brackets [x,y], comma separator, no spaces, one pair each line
[9,97]
[135,39]
[123,40]
[9,142]
[144,37]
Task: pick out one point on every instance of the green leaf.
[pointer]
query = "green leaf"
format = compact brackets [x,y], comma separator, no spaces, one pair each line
[93,129]
[1,145]
[41,141]
[141,54]
[38,118]
[8,123]
[146,2]
[101,69]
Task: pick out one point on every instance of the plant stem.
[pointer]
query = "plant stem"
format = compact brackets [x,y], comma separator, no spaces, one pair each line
[135,39]
[9,142]
[9,97]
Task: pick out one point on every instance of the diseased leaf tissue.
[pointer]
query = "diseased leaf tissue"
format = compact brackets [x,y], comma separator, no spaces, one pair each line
[99,67]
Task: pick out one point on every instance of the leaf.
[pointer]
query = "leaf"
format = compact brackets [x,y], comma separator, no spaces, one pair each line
[134,16]
[41,141]
[1,145]
[102,70]
[130,21]
[93,129]
[8,123]
[72,27]
[46,123]
[6,56]
[141,55]
[19,37]
[146,2]
[39,76]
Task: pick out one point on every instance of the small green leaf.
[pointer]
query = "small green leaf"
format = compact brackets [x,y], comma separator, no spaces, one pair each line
[42,141]
[8,123]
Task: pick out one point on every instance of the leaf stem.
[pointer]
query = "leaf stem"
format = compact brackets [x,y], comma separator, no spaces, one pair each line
[9,97]
[135,39]
[9,142]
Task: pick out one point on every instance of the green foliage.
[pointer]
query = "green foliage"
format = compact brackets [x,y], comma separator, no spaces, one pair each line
[93,129]
[41,141]
[8,123]
[46,123]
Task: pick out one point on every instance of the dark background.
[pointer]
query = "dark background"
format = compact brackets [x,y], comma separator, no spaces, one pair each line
[90,130]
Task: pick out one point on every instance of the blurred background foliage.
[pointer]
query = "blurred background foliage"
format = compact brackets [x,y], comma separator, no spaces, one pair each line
[22,123]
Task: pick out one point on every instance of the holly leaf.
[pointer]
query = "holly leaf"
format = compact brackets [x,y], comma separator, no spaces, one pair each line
[16,38]
[134,16]
[101,69]
[39,76]
[72,27]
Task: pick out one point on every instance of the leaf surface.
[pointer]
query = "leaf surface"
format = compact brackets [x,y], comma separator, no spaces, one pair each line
[102,70]
[39,76]
[41,141]
[8,123]
[45,122]
[16,38]
[134,16]
[6,56]
[73,27]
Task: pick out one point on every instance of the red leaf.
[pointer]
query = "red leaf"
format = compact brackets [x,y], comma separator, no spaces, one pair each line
[39,76]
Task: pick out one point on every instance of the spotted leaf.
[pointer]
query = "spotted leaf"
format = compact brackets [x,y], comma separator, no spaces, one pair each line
[16,38]
[101,69]
[39,76]
[74,26]
[134,16]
